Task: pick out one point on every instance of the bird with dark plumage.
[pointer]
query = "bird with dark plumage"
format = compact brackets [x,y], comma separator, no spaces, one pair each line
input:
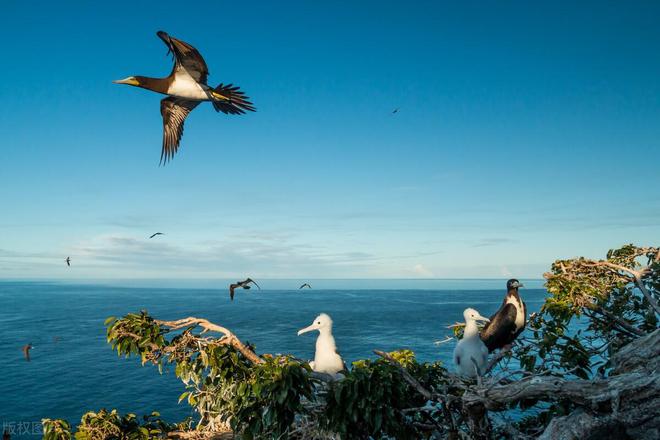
[186,87]
[157,233]
[26,351]
[68,261]
[305,285]
[508,322]
[245,284]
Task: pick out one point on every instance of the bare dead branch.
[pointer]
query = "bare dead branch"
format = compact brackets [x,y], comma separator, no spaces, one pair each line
[228,339]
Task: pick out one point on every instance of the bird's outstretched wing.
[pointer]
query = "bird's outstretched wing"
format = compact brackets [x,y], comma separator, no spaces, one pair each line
[174,111]
[232,288]
[250,280]
[499,331]
[186,58]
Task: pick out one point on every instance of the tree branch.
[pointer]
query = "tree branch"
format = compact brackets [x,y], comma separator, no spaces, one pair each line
[228,339]
[406,376]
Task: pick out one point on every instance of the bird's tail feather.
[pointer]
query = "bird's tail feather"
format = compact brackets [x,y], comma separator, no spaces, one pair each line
[231,100]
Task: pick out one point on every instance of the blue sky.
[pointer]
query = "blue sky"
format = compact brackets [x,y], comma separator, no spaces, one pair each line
[525,133]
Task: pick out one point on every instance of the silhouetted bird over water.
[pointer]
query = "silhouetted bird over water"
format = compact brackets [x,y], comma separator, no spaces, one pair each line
[508,322]
[157,233]
[26,351]
[68,261]
[305,285]
[241,284]
[186,87]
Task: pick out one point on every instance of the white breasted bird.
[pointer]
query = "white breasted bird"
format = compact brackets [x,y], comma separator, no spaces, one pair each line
[471,354]
[326,359]
[508,322]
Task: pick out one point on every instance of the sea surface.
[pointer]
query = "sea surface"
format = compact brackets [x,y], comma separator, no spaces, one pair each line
[73,369]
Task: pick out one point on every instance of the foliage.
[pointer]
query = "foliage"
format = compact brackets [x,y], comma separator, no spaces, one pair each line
[105,424]
[371,399]
[56,429]
[604,301]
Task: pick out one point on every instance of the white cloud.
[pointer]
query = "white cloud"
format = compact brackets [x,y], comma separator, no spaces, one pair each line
[422,271]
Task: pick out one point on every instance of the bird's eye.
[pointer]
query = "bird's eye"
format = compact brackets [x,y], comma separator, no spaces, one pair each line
[319,323]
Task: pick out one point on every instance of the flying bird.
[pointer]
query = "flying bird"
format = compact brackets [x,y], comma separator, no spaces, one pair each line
[395,111]
[185,88]
[26,351]
[471,354]
[244,284]
[508,322]
[305,285]
[68,261]
[157,233]
[326,358]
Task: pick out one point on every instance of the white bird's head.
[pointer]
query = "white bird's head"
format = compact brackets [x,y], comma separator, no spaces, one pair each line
[473,315]
[321,322]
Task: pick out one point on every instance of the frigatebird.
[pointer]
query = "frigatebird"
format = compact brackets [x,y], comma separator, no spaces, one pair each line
[68,261]
[157,233]
[185,88]
[241,284]
[471,354]
[508,322]
[326,358]
[305,285]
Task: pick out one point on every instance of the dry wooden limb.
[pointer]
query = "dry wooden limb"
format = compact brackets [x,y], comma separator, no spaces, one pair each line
[635,276]
[228,339]
[627,402]
[625,325]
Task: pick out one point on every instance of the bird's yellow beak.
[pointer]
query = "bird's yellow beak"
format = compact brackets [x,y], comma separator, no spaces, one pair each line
[131,81]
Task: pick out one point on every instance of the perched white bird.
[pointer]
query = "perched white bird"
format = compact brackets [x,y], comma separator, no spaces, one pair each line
[326,359]
[471,354]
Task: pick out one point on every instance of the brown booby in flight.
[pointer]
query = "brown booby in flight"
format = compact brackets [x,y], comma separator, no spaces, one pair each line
[68,261]
[244,284]
[157,233]
[26,351]
[186,87]
[509,321]
[305,285]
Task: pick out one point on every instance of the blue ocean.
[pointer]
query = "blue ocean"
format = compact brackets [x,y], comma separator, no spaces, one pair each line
[73,370]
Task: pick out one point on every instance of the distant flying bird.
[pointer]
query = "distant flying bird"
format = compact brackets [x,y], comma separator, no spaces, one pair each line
[396,110]
[244,284]
[305,285]
[68,261]
[326,358]
[26,351]
[186,87]
[157,233]
[508,322]
[471,354]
